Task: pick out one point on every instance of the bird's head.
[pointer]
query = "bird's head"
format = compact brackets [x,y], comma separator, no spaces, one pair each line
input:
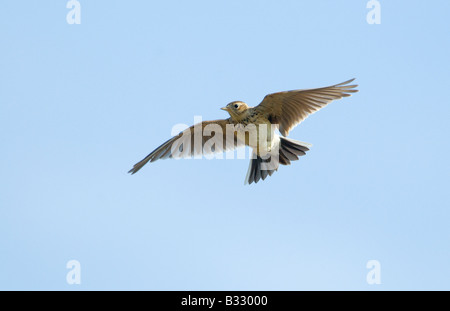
[236,109]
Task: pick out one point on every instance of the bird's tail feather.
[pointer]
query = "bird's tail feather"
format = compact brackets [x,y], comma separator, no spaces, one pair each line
[289,150]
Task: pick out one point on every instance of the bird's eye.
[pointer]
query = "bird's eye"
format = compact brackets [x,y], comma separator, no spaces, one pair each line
[236,106]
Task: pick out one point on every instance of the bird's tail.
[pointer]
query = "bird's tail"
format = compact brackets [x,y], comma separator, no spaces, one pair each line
[286,151]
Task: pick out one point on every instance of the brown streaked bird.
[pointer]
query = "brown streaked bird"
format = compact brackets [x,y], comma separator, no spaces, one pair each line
[282,111]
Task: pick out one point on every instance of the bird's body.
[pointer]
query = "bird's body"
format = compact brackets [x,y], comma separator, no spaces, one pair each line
[254,127]
[264,131]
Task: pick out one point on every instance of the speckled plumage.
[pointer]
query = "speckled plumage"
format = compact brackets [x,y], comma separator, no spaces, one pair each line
[282,111]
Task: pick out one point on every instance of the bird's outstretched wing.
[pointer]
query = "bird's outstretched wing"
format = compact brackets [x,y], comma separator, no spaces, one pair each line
[203,138]
[292,107]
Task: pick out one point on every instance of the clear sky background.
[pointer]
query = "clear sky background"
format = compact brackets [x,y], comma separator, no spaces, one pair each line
[80,104]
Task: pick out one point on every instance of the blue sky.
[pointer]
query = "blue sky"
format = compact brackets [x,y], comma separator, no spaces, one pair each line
[80,104]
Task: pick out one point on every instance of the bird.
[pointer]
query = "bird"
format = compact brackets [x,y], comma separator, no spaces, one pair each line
[255,127]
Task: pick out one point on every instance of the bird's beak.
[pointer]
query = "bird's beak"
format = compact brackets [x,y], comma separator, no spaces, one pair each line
[224,108]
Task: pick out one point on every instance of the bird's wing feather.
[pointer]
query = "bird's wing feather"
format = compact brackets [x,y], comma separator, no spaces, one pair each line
[292,107]
[202,138]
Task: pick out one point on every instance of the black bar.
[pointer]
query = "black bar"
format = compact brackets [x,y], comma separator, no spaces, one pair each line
[226,300]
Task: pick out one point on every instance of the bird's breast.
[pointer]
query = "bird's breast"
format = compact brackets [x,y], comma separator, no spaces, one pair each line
[258,132]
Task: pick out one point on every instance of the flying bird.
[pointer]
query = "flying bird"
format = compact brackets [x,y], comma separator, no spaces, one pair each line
[254,127]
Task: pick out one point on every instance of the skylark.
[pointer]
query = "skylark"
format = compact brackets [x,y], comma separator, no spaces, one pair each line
[254,127]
